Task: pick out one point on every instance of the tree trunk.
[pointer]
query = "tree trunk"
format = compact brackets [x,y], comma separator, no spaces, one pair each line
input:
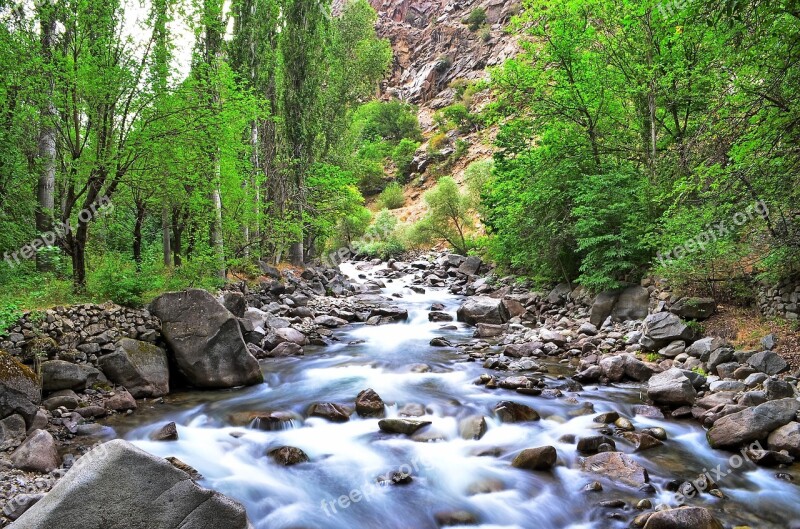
[46,148]
[79,256]
[165,241]
[137,234]
[216,226]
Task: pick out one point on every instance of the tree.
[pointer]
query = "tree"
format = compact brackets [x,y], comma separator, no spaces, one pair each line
[448,215]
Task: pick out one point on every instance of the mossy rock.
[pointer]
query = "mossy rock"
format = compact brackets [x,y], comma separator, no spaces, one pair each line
[42,348]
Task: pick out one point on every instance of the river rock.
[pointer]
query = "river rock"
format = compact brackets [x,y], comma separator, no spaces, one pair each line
[470,266]
[508,411]
[401,426]
[616,466]
[205,340]
[662,328]
[752,424]
[438,315]
[683,518]
[12,431]
[119,486]
[671,387]
[768,362]
[285,349]
[542,458]
[482,309]
[60,374]
[121,400]
[331,411]
[139,366]
[778,389]
[38,453]
[330,322]
[288,456]
[369,404]
[472,428]
[787,437]
[235,303]
[20,392]
[168,432]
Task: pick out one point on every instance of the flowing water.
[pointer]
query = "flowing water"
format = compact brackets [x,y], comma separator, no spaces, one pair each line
[337,489]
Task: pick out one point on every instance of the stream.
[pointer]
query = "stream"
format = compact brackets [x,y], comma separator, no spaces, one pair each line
[449,473]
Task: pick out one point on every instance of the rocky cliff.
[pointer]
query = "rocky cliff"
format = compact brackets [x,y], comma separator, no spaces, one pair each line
[433,45]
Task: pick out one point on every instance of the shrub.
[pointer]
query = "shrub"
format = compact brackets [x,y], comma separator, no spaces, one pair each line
[403,157]
[118,280]
[392,197]
[476,19]
[448,216]
[9,314]
[390,121]
[477,176]
[438,142]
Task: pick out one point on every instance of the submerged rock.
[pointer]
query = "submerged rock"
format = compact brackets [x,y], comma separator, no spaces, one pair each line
[617,467]
[683,518]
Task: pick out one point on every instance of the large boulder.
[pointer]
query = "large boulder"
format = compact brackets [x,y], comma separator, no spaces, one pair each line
[787,438]
[633,304]
[482,309]
[662,328]
[752,424]
[683,518]
[671,387]
[139,366]
[130,489]
[205,340]
[694,308]
[602,306]
[60,374]
[20,392]
[768,362]
[470,266]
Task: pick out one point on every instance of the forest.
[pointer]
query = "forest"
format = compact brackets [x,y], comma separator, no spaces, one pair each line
[624,132]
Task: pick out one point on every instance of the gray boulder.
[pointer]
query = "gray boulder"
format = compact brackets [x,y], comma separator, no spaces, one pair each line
[470,266]
[683,518]
[671,387]
[60,374]
[752,424]
[130,489]
[559,294]
[12,431]
[768,362]
[662,328]
[694,308]
[205,340]
[633,304]
[602,306]
[482,309]
[787,437]
[139,366]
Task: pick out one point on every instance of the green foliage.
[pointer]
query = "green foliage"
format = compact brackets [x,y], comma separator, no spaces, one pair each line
[384,238]
[477,176]
[117,279]
[653,357]
[476,18]
[438,142]
[391,121]
[9,314]
[403,157]
[392,197]
[456,116]
[448,216]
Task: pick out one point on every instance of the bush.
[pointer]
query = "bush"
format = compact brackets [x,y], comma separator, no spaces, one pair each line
[438,142]
[477,176]
[9,314]
[476,19]
[117,279]
[390,121]
[448,216]
[392,197]
[403,157]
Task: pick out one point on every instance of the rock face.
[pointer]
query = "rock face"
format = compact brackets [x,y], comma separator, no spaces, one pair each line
[19,392]
[432,46]
[139,366]
[130,489]
[482,309]
[752,424]
[671,387]
[683,518]
[205,340]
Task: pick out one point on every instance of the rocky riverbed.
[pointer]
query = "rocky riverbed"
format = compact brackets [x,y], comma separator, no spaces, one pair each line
[470,396]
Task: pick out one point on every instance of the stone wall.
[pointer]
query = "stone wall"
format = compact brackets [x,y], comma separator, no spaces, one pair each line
[79,333]
[781,300]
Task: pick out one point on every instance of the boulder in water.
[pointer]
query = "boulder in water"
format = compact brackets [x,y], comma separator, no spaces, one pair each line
[683,518]
[119,486]
[205,340]
[482,309]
